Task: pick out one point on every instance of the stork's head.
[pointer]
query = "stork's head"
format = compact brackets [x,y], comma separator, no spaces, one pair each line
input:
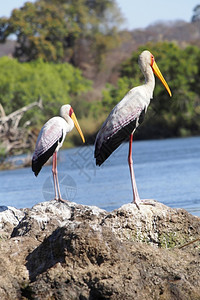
[67,111]
[147,59]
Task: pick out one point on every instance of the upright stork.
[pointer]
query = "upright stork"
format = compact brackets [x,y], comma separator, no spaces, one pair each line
[126,117]
[50,140]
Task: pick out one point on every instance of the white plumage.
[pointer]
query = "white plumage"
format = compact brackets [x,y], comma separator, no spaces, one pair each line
[50,140]
[127,115]
[53,131]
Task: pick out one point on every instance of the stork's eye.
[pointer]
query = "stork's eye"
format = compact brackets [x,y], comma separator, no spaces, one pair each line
[152,59]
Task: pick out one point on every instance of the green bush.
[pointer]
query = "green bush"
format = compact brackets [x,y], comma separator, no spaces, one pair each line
[23,83]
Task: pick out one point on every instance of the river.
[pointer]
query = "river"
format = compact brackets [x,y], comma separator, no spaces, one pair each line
[166,170]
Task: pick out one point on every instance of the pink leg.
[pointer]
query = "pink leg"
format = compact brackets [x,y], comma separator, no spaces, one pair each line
[136,197]
[54,171]
[55,179]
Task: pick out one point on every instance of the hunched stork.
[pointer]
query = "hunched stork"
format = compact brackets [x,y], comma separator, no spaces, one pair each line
[126,117]
[50,140]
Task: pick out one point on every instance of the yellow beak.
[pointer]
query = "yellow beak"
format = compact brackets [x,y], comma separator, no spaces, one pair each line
[159,75]
[77,126]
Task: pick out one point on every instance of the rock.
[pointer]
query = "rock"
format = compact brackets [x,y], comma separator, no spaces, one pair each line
[69,251]
[158,225]
[9,218]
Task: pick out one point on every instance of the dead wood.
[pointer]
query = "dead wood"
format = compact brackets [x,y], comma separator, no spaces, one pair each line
[15,138]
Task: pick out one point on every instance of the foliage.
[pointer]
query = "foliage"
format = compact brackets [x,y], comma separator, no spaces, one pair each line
[24,83]
[50,29]
[166,116]
[56,84]
[2,153]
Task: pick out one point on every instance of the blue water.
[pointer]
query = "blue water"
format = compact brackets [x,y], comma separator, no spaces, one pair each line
[166,170]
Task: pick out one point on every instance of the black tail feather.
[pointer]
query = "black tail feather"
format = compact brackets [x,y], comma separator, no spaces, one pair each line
[112,143]
[38,163]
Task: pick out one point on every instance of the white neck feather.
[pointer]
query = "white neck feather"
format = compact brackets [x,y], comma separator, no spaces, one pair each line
[149,79]
[65,115]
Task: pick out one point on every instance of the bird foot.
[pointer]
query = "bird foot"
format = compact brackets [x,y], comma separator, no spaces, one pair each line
[144,202]
[61,200]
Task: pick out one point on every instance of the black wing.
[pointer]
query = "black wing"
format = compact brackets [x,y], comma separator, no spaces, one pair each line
[40,160]
[111,143]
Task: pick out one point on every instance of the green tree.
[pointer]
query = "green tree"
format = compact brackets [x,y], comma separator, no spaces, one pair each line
[56,84]
[51,29]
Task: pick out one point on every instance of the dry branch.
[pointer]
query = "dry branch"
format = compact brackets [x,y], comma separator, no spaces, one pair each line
[14,138]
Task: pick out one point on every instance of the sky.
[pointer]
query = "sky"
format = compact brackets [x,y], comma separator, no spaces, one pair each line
[138,13]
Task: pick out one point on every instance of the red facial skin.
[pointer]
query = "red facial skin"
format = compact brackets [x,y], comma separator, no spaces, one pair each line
[152,60]
[71,111]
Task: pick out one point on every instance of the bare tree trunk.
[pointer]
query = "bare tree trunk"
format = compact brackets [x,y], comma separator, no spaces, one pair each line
[14,138]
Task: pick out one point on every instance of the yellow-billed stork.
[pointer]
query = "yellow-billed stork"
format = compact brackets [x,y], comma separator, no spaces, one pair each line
[50,140]
[127,115]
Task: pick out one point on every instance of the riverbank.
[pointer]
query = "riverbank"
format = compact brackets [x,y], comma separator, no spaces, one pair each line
[71,251]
